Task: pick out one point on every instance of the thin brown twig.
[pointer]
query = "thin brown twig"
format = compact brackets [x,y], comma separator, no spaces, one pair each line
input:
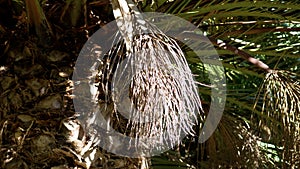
[231,48]
[25,135]
[242,54]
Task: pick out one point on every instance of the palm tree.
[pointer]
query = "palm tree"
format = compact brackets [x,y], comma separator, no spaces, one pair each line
[258,44]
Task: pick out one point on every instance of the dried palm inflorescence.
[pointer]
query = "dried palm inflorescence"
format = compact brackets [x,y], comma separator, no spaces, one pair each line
[146,79]
[280,112]
[281,98]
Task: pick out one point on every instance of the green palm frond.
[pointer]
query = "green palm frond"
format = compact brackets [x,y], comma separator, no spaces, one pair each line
[219,10]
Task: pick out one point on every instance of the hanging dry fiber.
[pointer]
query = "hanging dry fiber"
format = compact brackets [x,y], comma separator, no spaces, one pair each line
[147,80]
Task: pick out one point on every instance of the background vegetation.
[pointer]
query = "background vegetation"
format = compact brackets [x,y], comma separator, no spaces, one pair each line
[41,39]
